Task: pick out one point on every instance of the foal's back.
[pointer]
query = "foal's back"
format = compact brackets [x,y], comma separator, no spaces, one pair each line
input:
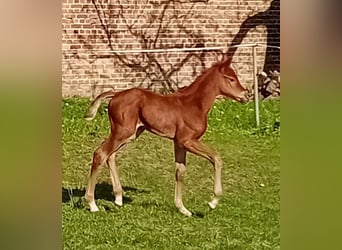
[160,114]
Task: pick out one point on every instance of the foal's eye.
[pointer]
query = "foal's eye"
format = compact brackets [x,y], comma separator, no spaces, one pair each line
[231,79]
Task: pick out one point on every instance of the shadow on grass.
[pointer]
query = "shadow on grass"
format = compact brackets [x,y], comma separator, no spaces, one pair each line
[198,214]
[103,191]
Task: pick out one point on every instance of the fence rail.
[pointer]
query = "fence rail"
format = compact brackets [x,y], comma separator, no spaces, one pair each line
[179,49]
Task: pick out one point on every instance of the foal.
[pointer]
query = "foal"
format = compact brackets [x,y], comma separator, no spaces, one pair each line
[181,116]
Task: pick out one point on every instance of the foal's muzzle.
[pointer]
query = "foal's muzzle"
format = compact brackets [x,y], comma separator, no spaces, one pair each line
[244,97]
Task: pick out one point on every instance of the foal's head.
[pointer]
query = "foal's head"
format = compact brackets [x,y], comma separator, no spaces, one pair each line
[229,84]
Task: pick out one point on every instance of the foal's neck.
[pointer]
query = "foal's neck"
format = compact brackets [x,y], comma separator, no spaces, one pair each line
[202,92]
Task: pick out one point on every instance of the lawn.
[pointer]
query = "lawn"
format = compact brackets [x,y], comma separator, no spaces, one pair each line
[247,216]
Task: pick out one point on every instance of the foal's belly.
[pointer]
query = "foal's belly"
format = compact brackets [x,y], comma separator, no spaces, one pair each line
[160,121]
[166,134]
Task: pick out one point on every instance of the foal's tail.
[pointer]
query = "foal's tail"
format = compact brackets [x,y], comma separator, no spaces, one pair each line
[96,104]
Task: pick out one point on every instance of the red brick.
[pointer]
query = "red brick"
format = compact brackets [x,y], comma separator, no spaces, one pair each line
[213,24]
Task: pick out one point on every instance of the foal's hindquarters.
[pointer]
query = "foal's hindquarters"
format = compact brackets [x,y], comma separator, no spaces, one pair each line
[124,127]
[106,152]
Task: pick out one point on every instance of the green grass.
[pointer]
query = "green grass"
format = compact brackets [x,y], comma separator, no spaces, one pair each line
[247,217]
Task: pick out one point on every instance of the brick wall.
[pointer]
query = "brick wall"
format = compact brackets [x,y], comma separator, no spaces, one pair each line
[92,30]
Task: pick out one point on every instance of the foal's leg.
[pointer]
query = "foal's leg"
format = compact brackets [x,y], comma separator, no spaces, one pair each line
[114,174]
[89,195]
[200,149]
[100,156]
[180,156]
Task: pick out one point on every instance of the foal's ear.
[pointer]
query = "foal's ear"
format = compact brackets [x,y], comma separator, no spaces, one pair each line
[225,65]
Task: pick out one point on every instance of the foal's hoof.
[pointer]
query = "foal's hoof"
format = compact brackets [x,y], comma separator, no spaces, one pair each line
[119,203]
[185,211]
[93,208]
[212,204]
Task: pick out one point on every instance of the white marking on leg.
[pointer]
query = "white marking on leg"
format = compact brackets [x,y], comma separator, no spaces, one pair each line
[93,207]
[180,171]
[114,176]
[217,183]
[185,211]
[118,201]
[89,195]
[213,203]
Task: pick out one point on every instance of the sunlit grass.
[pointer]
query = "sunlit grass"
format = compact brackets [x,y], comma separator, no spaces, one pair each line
[246,218]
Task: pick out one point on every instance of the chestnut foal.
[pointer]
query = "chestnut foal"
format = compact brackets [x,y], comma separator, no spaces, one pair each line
[181,116]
